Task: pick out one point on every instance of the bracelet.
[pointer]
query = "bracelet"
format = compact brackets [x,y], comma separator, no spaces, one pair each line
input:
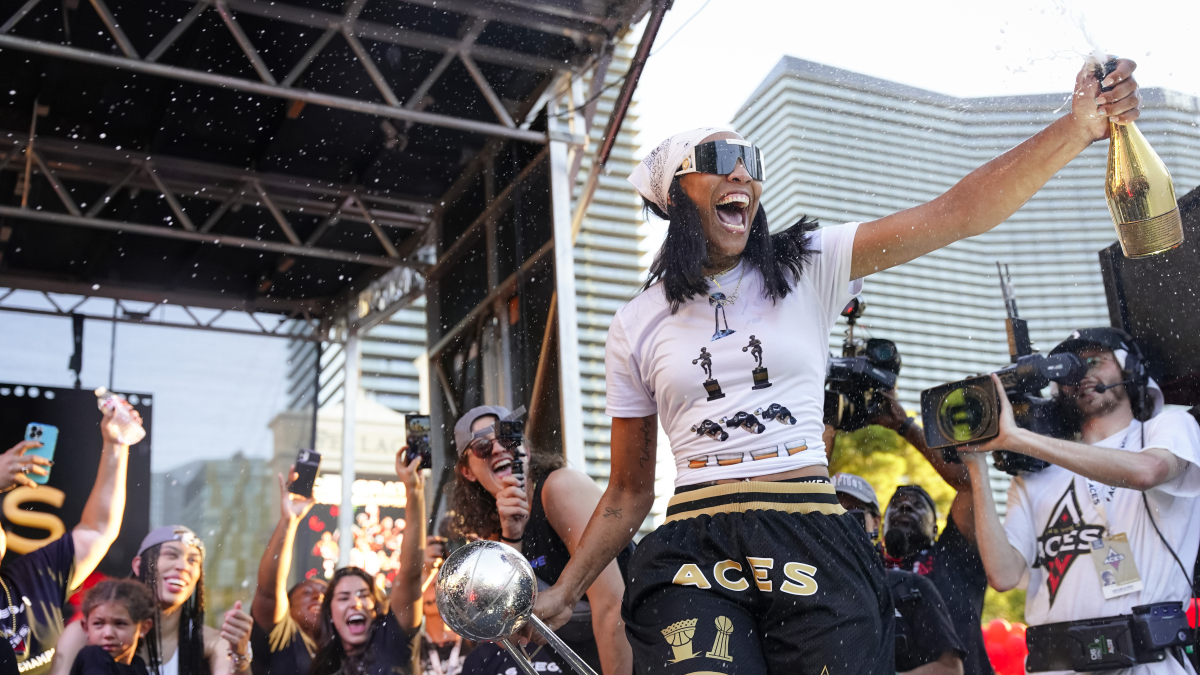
[511,541]
[241,660]
[905,426]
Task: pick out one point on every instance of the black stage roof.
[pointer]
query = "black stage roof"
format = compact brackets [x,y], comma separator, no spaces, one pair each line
[266,155]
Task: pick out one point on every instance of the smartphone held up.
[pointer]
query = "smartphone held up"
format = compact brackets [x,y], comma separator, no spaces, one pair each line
[417,429]
[47,435]
[308,462]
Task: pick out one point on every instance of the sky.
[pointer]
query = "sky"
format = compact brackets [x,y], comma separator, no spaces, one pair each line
[709,69]
[215,394]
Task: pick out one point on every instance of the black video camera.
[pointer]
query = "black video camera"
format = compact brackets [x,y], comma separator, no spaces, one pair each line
[510,432]
[854,381]
[968,411]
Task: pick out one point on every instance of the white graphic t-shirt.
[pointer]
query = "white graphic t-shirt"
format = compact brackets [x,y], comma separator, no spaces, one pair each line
[738,386]
[1055,515]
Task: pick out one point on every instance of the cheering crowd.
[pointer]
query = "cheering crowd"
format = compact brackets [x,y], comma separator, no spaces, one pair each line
[765,563]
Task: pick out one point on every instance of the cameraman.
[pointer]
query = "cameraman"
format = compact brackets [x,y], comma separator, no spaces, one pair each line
[1134,478]
[926,642]
[911,541]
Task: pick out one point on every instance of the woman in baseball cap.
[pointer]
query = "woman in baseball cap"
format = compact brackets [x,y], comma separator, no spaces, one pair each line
[170,561]
[544,523]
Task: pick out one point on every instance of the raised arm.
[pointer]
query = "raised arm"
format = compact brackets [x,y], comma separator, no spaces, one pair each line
[270,604]
[101,520]
[1134,470]
[570,498]
[1003,564]
[406,600]
[616,519]
[989,195]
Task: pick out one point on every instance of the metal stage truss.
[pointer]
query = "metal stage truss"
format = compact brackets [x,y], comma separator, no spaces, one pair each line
[313,166]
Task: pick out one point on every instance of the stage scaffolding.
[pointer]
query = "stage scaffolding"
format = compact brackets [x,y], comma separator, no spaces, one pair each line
[316,165]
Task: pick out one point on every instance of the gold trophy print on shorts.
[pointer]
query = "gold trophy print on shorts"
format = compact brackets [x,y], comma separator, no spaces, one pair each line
[710,384]
[760,373]
[718,301]
[679,635]
[720,648]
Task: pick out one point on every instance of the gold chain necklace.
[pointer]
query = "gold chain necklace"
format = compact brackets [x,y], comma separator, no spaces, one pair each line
[733,298]
[12,610]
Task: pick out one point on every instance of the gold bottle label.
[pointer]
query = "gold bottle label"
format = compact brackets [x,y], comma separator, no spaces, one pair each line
[1148,237]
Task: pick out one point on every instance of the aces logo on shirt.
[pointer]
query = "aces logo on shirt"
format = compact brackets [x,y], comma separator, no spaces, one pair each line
[1066,538]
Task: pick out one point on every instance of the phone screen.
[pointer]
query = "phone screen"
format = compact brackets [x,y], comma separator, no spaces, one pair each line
[48,435]
[418,428]
[307,464]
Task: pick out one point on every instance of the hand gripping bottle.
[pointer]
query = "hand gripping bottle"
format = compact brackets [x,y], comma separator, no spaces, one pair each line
[130,431]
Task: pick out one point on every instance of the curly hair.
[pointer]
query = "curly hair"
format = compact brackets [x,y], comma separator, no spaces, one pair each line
[331,654]
[680,262]
[191,621]
[475,508]
[135,597]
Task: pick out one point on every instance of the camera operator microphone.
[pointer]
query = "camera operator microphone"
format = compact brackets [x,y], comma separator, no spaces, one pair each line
[926,641]
[1126,499]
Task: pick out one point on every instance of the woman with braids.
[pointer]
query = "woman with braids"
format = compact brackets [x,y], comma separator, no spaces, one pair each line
[545,524]
[364,633]
[170,562]
[757,569]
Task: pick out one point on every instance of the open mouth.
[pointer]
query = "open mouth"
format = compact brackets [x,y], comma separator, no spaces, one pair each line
[174,585]
[357,623]
[502,467]
[733,211]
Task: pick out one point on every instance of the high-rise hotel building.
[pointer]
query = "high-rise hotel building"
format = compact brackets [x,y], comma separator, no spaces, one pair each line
[841,146]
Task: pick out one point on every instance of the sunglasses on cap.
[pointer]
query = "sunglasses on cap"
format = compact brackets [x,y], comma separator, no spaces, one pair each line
[721,158]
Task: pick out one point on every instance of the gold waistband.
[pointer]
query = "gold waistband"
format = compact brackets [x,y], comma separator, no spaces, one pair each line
[755,496]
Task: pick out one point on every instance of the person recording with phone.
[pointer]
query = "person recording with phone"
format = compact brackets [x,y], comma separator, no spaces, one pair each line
[926,640]
[1108,532]
[36,585]
[544,522]
[362,633]
[287,621]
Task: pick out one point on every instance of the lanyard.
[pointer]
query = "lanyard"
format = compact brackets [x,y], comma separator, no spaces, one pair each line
[453,667]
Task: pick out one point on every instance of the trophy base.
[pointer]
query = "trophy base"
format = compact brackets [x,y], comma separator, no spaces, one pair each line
[714,390]
[760,379]
[722,333]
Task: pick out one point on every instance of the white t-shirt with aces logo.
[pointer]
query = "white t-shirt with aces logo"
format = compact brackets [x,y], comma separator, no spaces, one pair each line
[1054,515]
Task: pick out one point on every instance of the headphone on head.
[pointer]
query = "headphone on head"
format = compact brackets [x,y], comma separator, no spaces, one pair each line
[1139,377]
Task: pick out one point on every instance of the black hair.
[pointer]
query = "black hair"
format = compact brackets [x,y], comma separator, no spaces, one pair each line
[680,262]
[191,621]
[331,654]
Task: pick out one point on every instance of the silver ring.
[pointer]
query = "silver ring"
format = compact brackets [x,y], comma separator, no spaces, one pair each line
[26,468]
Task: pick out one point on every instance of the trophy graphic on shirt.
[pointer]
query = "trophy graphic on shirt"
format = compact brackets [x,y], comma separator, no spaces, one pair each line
[710,385]
[718,301]
[760,373]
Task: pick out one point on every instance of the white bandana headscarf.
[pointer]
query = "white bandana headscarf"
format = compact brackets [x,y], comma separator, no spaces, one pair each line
[653,175]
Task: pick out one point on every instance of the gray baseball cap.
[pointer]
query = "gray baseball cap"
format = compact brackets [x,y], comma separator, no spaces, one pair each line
[161,535]
[857,487]
[462,428]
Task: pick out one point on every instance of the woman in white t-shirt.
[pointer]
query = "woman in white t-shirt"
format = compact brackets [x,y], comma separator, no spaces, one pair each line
[756,569]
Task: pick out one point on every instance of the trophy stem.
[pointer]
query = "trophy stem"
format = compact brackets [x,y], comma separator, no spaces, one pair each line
[519,657]
[561,647]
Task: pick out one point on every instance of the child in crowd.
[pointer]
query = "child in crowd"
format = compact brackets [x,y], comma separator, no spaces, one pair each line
[116,614]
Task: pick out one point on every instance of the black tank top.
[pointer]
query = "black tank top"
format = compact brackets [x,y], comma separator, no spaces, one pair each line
[545,550]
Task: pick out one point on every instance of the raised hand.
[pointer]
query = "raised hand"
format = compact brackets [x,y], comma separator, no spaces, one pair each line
[235,629]
[15,466]
[1093,109]
[513,507]
[292,506]
[109,430]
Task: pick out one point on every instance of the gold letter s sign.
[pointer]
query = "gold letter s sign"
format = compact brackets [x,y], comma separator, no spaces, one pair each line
[42,521]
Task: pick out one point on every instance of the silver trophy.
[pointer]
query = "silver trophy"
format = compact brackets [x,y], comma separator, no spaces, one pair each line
[485,591]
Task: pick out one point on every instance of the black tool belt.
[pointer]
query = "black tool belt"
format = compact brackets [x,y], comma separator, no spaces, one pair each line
[1110,642]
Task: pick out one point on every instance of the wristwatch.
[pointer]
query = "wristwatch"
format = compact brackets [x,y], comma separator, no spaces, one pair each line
[241,661]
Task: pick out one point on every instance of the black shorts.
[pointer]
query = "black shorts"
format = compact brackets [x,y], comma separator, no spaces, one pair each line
[759,577]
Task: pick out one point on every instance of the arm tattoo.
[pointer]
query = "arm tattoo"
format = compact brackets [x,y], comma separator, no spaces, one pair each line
[649,441]
[610,511]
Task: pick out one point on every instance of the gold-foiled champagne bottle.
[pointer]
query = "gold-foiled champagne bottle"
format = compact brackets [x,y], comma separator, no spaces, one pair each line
[1141,196]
